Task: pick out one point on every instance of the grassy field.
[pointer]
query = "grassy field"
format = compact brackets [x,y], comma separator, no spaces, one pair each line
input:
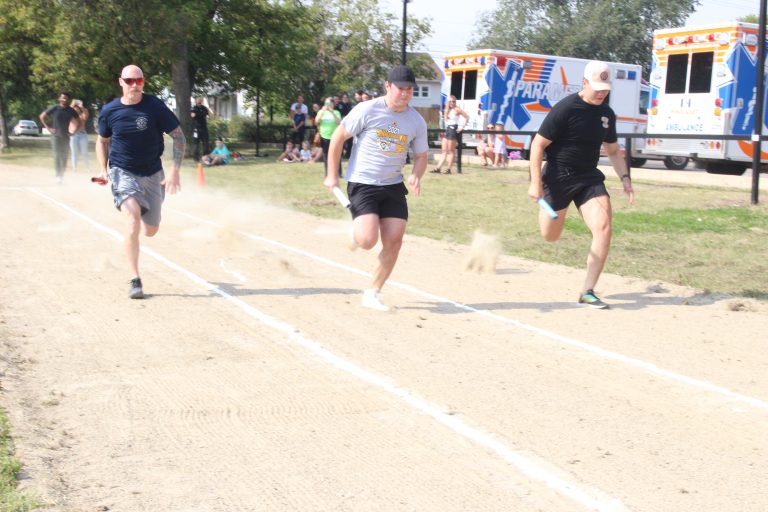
[10,499]
[707,238]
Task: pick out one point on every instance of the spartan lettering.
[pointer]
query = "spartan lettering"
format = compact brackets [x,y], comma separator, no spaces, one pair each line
[540,91]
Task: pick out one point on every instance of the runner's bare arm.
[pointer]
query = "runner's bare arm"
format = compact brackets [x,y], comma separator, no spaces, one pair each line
[419,168]
[620,167]
[102,152]
[539,144]
[172,181]
[82,113]
[179,143]
[334,156]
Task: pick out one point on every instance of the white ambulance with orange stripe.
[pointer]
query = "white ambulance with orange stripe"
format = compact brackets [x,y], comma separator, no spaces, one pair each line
[703,82]
[518,90]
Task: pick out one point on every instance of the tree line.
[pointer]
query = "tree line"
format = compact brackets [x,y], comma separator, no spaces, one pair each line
[273,49]
[276,49]
[609,30]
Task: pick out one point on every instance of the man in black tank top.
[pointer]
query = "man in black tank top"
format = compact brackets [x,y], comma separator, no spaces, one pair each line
[571,136]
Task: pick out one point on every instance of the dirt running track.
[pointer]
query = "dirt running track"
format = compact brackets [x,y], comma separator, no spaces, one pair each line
[251,380]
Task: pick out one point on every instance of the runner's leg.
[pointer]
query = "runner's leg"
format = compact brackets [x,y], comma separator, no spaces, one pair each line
[597,216]
[132,212]
[392,231]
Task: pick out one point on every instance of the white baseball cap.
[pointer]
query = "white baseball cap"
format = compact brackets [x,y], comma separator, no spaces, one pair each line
[598,74]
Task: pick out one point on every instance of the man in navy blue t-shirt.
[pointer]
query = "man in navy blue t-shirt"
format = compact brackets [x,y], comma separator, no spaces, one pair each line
[131,138]
[571,136]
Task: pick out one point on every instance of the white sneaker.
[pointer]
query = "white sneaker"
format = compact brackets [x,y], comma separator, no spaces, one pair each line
[351,242]
[372,300]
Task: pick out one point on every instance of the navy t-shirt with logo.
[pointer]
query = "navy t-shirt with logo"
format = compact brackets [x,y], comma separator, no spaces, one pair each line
[137,133]
[577,129]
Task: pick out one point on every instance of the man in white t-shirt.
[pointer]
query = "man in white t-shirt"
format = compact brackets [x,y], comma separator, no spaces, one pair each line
[384,129]
[299,105]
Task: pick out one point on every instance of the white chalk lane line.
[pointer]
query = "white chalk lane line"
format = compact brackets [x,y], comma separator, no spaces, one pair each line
[582,345]
[589,498]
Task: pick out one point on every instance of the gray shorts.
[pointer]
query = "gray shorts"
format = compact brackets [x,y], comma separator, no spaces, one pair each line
[147,190]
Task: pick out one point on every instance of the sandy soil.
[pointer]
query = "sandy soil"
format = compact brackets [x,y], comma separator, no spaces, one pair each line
[251,380]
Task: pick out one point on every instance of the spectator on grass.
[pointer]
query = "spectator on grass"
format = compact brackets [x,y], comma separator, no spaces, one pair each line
[290,155]
[219,156]
[200,115]
[500,152]
[486,145]
[327,120]
[308,154]
[78,141]
[453,115]
[61,115]
[298,126]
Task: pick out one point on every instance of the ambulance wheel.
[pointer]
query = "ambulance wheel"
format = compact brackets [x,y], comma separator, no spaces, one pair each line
[638,162]
[675,163]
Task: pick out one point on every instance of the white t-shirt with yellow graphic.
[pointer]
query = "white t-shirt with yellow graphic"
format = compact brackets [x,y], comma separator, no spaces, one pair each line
[381,143]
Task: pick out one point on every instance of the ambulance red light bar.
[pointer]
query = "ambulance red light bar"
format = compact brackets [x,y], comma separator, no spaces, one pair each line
[720,37]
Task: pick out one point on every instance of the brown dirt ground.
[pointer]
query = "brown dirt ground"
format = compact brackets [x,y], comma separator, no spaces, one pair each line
[251,380]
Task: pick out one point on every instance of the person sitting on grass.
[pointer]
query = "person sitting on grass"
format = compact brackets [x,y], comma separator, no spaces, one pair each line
[219,156]
[309,155]
[500,158]
[486,146]
[290,155]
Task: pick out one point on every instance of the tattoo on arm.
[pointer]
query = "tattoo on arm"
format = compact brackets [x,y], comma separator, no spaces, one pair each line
[179,143]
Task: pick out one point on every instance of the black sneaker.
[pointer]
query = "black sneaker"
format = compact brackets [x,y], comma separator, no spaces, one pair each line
[593,301]
[135,291]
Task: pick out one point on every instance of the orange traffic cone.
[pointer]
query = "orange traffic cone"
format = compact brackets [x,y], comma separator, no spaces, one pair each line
[200,175]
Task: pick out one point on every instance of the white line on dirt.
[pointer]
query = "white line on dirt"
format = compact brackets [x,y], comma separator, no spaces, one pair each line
[526,466]
[240,277]
[607,354]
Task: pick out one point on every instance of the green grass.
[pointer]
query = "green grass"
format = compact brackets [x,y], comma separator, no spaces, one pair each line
[703,237]
[10,499]
[28,155]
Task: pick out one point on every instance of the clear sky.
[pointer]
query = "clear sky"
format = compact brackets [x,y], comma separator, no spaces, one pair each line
[453,21]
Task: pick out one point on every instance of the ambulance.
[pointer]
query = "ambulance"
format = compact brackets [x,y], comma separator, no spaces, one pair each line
[518,89]
[703,82]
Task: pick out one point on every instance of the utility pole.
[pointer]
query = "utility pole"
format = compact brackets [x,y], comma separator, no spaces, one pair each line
[759,106]
[405,16]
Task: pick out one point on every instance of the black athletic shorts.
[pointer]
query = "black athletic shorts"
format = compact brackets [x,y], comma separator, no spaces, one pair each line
[563,185]
[451,132]
[383,200]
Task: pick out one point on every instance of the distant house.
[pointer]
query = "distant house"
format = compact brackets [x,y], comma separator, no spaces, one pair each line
[426,97]
[225,105]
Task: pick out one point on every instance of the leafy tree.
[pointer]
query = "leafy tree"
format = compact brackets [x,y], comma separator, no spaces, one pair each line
[750,18]
[17,22]
[609,30]
[185,45]
[356,43]
[271,48]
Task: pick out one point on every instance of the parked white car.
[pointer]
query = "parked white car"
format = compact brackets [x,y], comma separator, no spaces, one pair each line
[26,127]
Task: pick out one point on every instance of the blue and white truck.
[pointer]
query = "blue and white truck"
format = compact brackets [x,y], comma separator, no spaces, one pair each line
[518,89]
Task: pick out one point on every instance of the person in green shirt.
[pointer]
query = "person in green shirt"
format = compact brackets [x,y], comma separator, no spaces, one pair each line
[327,120]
